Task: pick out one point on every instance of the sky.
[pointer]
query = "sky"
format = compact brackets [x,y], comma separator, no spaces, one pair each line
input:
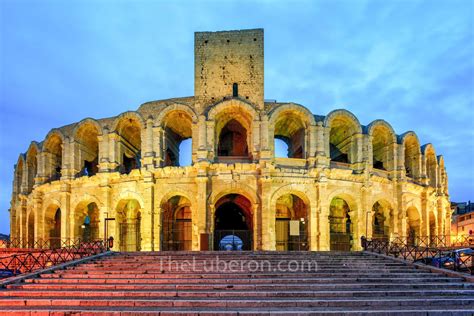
[408,62]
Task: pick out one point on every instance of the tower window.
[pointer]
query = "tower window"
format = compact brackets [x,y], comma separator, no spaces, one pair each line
[235,90]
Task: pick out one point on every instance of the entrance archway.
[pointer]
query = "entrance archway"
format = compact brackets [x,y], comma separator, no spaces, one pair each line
[413,225]
[233,217]
[177,224]
[340,225]
[31,229]
[291,223]
[53,225]
[233,140]
[129,220]
[381,220]
[88,222]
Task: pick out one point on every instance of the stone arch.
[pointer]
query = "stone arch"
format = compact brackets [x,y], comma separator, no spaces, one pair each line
[31,165]
[87,220]
[86,136]
[53,223]
[129,127]
[383,139]
[234,218]
[382,219]
[177,123]
[342,125]
[131,195]
[235,188]
[442,175]
[431,164]
[290,207]
[176,223]
[233,127]
[342,221]
[176,107]
[290,123]
[128,215]
[412,154]
[19,171]
[53,150]
[413,226]
[31,223]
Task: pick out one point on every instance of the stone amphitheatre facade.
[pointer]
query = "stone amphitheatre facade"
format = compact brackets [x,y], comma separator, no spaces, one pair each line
[121,177]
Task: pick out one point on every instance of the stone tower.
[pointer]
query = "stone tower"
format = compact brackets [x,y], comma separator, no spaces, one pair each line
[228,64]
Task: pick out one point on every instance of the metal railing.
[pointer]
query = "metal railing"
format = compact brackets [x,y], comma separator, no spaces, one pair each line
[25,262]
[41,243]
[444,255]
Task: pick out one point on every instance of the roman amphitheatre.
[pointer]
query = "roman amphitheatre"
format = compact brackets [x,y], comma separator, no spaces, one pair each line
[120,176]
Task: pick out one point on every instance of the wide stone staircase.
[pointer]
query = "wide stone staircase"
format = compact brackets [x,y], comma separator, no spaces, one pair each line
[243,283]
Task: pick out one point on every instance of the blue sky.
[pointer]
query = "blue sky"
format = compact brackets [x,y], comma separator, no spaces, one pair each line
[408,62]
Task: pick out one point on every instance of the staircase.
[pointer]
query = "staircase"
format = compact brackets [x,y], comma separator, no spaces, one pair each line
[243,283]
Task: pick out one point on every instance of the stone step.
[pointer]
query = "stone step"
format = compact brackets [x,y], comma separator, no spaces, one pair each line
[220,293]
[241,287]
[198,280]
[241,303]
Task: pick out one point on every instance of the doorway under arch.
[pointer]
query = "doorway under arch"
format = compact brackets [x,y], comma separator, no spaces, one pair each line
[88,221]
[381,220]
[176,224]
[233,217]
[129,220]
[31,229]
[340,225]
[291,223]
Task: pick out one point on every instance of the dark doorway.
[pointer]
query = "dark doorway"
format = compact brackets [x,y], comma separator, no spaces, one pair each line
[232,219]
[233,140]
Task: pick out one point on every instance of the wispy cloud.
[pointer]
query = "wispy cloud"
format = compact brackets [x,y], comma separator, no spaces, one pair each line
[409,62]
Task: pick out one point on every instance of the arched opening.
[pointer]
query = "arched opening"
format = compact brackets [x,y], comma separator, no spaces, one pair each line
[178,138]
[233,217]
[53,226]
[129,143]
[433,229]
[128,217]
[412,157]
[88,148]
[413,225]
[290,129]
[176,224]
[32,167]
[235,90]
[31,229]
[18,176]
[340,225]
[382,148]
[87,221]
[291,223]
[341,139]
[431,167]
[54,156]
[381,220]
[233,140]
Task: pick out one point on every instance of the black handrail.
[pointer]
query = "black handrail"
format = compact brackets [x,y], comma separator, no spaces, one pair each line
[443,257]
[32,260]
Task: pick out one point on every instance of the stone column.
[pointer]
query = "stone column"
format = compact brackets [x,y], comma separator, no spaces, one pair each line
[147,228]
[210,139]
[200,214]
[313,227]
[158,146]
[323,220]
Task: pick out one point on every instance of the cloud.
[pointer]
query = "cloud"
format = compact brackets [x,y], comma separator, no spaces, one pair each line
[407,62]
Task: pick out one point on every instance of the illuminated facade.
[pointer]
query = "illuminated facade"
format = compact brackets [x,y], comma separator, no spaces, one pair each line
[340,180]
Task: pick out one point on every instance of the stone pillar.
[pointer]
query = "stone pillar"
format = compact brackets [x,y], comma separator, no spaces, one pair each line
[147,228]
[360,149]
[323,220]
[211,143]
[313,227]
[148,153]
[158,146]
[322,149]
[114,151]
[104,150]
[257,235]
[267,215]
[256,140]
[313,138]
[200,211]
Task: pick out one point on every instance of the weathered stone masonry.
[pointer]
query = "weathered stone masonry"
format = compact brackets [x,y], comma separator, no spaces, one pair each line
[340,181]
